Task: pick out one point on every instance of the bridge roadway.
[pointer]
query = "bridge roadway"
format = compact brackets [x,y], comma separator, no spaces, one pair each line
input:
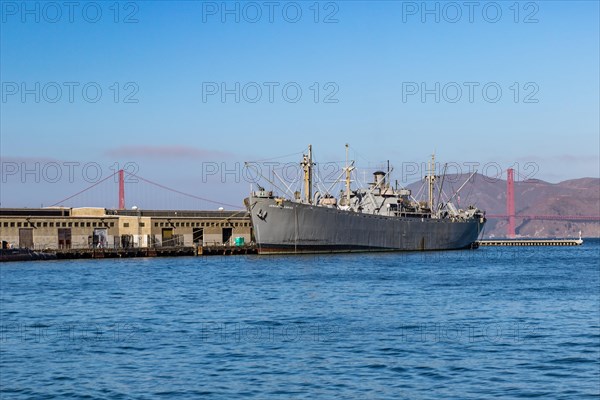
[588,218]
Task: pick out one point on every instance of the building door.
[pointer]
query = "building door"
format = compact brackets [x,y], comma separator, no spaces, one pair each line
[167,237]
[64,238]
[26,238]
[227,233]
[198,235]
[100,238]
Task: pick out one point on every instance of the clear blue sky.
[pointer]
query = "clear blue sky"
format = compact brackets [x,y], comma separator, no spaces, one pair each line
[371,53]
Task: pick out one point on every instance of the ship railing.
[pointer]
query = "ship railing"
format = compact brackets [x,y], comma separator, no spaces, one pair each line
[407,214]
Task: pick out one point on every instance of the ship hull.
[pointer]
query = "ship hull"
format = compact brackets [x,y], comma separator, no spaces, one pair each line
[293,228]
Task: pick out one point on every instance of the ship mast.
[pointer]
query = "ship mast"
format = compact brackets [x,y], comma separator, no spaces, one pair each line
[307,164]
[347,179]
[430,181]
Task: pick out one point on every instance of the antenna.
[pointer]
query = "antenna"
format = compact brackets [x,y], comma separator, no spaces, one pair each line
[388,170]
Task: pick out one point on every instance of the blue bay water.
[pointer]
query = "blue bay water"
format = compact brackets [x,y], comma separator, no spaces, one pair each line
[493,322]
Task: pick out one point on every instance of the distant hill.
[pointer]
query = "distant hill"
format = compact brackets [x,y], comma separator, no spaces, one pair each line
[532,197]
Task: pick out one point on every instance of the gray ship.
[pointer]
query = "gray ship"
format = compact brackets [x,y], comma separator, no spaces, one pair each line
[378,218]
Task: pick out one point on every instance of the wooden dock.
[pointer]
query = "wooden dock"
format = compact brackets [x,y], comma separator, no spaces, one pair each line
[66,254]
[175,251]
[220,250]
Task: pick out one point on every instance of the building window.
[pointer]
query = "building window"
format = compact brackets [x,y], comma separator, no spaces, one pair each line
[112,224]
[51,224]
[125,224]
[201,223]
[187,224]
[176,223]
[142,224]
[18,224]
[12,224]
[45,225]
[94,224]
[70,224]
[6,224]
[156,224]
[87,224]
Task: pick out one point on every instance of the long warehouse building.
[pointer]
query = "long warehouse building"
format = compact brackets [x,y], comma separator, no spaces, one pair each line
[63,228]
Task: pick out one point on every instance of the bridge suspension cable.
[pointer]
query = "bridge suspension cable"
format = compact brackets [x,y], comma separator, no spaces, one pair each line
[180,192]
[120,172]
[84,190]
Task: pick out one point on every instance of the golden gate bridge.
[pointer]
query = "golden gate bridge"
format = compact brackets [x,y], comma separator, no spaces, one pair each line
[511,216]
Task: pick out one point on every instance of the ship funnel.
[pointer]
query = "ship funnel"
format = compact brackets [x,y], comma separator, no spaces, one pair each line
[379,178]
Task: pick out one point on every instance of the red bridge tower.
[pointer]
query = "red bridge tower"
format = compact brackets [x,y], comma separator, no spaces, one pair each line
[510,202]
[121,190]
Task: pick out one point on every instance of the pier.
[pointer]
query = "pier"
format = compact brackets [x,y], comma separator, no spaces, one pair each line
[95,253]
[530,242]
[65,254]
[226,250]
[175,251]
